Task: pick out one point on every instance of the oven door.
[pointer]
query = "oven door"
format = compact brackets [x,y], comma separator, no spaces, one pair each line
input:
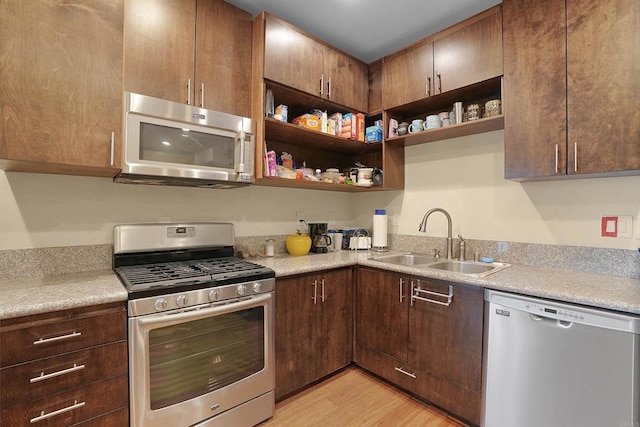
[188,366]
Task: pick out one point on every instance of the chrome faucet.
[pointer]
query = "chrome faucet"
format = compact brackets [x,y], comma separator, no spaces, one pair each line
[423,228]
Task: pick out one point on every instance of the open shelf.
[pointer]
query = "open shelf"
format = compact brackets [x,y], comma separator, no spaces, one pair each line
[314,185]
[276,130]
[463,129]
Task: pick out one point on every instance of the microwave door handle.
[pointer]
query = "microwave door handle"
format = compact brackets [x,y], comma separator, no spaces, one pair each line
[240,167]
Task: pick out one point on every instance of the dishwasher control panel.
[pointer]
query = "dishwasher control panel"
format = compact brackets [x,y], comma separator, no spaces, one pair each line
[563,312]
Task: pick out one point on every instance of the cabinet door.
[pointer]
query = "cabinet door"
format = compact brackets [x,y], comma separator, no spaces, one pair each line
[294,328]
[603,104]
[347,80]
[408,75]
[534,103]
[382,317]
[292,58]
[223,58]
[333,325]
[61,84]
[159,48]
[446,341]
[469,55]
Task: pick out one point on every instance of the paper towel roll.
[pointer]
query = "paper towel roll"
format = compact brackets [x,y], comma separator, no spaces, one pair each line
[379,229]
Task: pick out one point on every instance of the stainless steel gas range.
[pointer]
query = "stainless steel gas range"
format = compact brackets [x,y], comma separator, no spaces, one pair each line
[200,328]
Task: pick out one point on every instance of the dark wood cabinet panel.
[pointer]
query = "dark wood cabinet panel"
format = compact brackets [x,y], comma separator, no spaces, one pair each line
[603,77]
[49,338]
[407,76]
[61,86]
[223,57]
[534,103]
[470,54]
[159,50]
[437,355]
[333,328]
[34,380]
[294,328]
[174,49]
[446,341]
[314,327]
[382,316]
[572,99]
[348,80]
[82,403]
[292,58]
[375,87]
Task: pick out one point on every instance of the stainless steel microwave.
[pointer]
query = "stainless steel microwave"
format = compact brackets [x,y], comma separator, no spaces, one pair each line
[169,143]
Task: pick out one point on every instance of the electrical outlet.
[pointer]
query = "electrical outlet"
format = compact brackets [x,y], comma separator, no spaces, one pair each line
[625,226]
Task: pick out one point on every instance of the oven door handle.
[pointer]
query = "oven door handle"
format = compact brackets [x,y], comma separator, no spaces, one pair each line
[204,312]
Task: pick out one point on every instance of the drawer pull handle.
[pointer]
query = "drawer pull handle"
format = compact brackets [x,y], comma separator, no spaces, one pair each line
[44,416]
[44,376]
[54,339]
[419,291]
[402,371]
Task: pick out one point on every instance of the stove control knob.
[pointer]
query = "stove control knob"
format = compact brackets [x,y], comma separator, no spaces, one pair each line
[257,287]
[181,300]
[241,289]
[214,295]
[160,304]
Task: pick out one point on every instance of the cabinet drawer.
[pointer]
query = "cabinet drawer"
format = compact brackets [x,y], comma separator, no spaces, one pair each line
[117,418]
[70,407]
[37,379]
[49,338]
[386,366]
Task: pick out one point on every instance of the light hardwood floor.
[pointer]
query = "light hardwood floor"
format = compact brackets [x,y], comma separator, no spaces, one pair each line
[355,398]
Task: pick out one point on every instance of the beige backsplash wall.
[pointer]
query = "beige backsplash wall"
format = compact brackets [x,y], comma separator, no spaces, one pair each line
[39,210]
[463,175]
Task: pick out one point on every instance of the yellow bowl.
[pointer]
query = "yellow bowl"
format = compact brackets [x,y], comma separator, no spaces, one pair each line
[298,244]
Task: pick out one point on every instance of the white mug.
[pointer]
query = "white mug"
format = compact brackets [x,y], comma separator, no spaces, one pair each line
[337,242]
[416,126]
[433,122]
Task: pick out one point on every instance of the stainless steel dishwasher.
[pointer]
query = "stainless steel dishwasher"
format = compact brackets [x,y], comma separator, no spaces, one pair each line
[554,364]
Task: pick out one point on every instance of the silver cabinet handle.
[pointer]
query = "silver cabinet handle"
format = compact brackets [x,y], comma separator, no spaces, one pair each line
[322,84]
[575,156]
[189,92]
[418,291]
[59,338]
[556,158]
[439,82]
[329,88]
[113,146]
[315,291]
[202,95]
[412,291]
[44,416]
[428,85]
[44,376]
[402,371]
[400,283]
[322,293]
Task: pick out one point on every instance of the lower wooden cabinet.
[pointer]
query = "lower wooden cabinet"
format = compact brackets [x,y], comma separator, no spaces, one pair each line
[314,327]
[65,368]
[441,358]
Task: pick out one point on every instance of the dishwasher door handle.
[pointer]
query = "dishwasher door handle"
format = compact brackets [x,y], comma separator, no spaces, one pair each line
[561,323]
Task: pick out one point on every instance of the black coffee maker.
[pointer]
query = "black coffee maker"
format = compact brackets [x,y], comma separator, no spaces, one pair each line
[320,242]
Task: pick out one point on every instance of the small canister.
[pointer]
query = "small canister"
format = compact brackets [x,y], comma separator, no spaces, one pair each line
[492,108]
[473,112]
[270,247]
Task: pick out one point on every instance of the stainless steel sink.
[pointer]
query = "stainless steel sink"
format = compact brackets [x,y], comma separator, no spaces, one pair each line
[468,268]
[406,259]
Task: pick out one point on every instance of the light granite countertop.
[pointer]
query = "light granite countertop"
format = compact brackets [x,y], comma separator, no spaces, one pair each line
[27,296]
[34,295]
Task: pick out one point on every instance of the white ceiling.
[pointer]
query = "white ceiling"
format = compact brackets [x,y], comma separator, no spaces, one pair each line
[369,29]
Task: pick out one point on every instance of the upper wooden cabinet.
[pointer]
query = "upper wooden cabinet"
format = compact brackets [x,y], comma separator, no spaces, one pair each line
[61,86]
[297,60]
[467,53]
[196,52]
[572,98]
